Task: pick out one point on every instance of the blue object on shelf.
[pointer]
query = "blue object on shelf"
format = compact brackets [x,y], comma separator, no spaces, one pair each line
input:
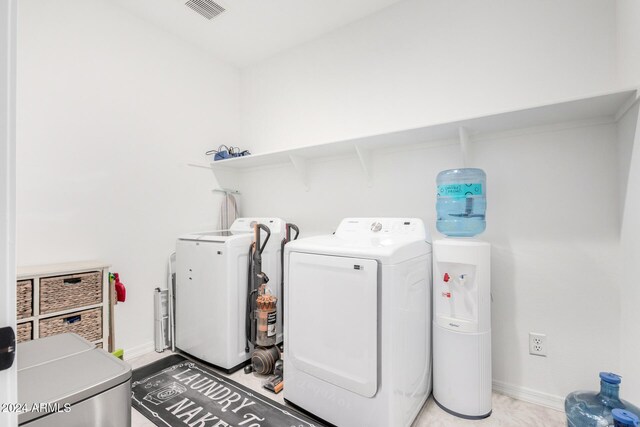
[221,155]
[594,409]
[223,152]
[462,202]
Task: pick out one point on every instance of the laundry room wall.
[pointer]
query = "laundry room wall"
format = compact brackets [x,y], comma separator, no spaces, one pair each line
[628,25]
[419,62]
[628,41]
[629,134]
[110,110]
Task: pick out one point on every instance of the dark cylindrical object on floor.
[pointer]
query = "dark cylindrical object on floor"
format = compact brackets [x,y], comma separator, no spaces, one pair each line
[264,359]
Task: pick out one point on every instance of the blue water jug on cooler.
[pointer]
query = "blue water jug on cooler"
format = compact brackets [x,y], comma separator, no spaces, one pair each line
[592,409]
[462,202]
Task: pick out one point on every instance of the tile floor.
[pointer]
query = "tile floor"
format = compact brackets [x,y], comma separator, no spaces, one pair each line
[507,412]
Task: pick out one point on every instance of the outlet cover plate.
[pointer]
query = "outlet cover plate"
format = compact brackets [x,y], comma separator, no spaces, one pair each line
[537,344]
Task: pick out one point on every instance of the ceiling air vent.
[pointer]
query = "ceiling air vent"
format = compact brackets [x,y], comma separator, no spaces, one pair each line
[207,8]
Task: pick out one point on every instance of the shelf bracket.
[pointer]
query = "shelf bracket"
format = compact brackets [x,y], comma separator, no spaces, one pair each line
[364,155]
[198,165]
[628,105]
[220,174]
[300,164]
[464,145]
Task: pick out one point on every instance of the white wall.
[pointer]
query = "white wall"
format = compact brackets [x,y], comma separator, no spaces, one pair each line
[628,42]
[427,61]
[110,110]
[421,62]
[629,133]
[628,36]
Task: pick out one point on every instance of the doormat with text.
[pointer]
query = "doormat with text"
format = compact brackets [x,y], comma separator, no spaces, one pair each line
[175,391]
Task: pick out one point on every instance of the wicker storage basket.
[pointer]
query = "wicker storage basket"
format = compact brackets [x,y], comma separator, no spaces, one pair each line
[99,345]
[87,324]
[24,331]
[24,297]
[65,292]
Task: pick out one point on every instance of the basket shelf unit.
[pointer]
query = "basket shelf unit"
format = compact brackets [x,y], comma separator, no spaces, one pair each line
[37,274]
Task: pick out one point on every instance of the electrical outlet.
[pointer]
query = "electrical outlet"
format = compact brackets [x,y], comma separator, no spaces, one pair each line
[537,344]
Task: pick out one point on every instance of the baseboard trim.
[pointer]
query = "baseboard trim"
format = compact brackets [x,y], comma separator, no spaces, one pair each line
[139,350]
[529,395]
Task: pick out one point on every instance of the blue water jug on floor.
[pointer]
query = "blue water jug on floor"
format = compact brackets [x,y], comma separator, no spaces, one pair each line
[622,418]
[591,409]
[462,202]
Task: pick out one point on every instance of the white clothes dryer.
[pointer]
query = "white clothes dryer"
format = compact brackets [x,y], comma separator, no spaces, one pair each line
[211,290]
[357,326]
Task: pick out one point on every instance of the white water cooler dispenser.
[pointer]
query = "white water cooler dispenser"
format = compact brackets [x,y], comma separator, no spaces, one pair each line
[462,327]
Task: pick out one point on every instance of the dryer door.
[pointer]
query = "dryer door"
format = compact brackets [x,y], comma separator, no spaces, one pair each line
[333,320]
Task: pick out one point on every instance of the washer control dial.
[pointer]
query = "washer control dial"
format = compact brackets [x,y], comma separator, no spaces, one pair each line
[376,226]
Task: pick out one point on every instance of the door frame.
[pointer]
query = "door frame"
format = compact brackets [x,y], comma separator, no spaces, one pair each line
[8,21]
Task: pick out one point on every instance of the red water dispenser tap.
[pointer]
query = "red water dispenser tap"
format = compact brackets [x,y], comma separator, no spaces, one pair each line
[446,277]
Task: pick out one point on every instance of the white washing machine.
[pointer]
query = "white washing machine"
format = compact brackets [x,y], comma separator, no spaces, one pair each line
[358,334]
[211,290]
